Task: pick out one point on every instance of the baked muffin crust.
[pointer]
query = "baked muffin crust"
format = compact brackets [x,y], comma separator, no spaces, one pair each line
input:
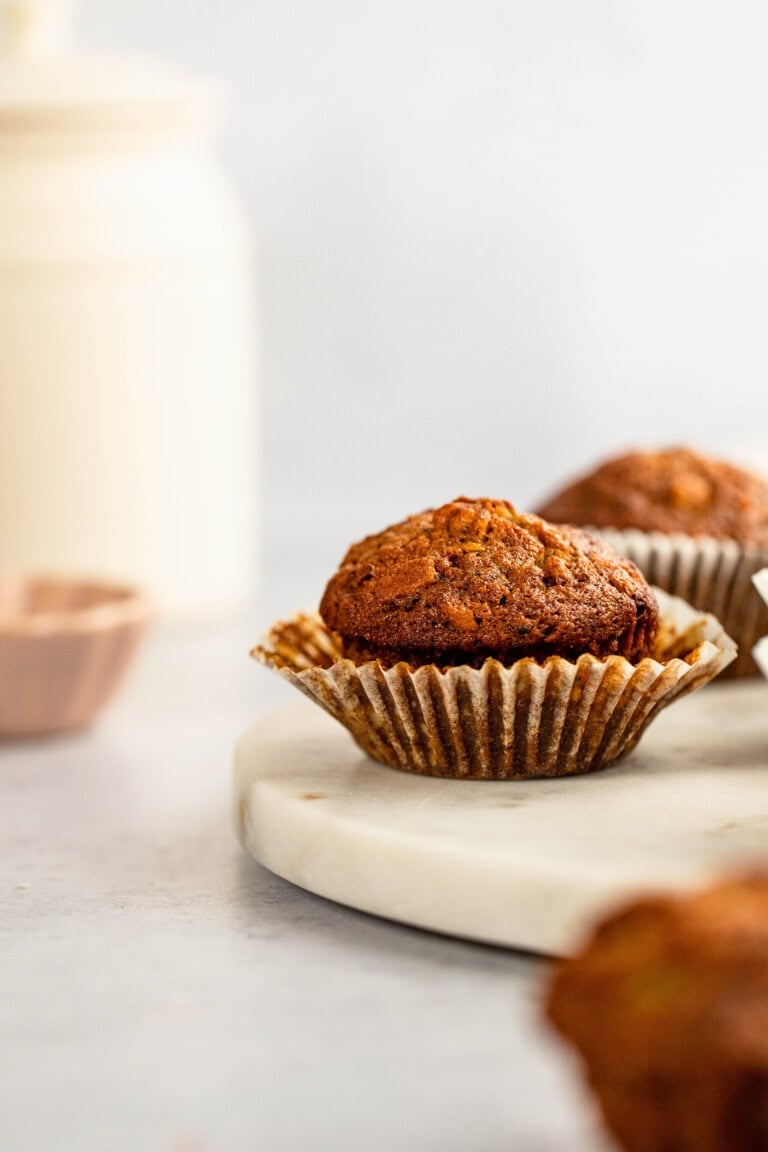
[475,579]
[673,490]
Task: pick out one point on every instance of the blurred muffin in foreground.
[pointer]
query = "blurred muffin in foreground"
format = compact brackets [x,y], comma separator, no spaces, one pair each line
[472,641]
[668,1006]
[695,526]
[477,580]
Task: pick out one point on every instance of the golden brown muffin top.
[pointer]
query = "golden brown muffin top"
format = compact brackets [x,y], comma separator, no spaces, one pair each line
[668,1005]
[673,490]
[475,579]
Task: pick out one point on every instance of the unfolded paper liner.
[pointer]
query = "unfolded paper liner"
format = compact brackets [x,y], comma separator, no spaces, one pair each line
[557,718]
[712,575]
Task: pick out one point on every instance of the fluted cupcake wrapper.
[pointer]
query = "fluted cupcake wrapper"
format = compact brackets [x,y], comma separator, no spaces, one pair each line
[760,650]
[557,718]
[712,575]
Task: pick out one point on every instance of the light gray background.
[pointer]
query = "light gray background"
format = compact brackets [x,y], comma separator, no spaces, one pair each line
[162,992]
[496,238]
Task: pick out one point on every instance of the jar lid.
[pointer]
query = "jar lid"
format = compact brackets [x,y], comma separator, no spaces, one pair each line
[46,84]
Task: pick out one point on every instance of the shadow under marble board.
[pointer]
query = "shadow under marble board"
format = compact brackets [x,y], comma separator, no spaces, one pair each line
[524,864]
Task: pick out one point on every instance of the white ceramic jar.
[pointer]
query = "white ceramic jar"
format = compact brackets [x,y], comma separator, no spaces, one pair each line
[127,390]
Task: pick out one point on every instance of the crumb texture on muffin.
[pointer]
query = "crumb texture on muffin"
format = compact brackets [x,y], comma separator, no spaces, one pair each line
[673,490]
[668,1005]
[475,579]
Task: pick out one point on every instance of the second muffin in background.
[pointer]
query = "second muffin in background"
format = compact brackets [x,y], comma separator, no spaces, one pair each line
[472,641]
[671,490]
[695,526]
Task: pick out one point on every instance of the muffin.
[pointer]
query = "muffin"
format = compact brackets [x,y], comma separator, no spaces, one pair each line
[674,490]
[695,526]
[668,1006]
[476,580]
[472,641]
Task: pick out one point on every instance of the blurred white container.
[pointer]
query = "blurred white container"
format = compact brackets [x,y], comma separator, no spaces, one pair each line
[127,391]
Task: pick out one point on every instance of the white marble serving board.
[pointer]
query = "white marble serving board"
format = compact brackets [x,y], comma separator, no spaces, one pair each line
[527,864]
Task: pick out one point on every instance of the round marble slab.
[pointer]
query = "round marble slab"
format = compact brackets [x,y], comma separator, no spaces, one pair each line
[525,864]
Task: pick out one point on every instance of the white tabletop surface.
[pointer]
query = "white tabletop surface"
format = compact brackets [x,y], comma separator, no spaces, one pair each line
[160,990]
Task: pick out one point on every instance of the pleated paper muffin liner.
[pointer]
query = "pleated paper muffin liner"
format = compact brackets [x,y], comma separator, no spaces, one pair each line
[712,575]
[760,650]
[556,718]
